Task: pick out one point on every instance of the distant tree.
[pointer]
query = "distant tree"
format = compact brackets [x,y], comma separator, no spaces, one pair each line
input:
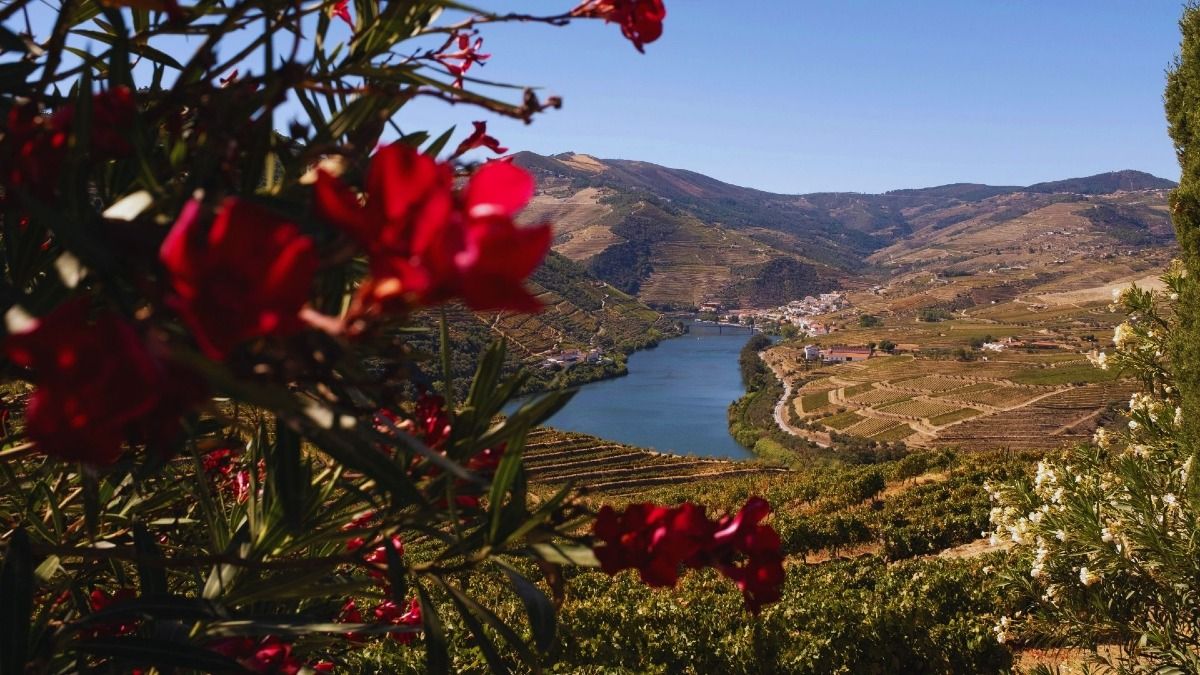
[869,321]
[887,346]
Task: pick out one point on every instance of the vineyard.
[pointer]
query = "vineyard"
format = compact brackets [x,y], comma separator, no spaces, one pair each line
[1014,401]
[554,457]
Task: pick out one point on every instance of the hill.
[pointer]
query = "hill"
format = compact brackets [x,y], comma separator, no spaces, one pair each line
[676,238]
[580,313]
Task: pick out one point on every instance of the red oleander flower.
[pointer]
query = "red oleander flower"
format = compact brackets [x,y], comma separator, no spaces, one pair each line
[220,462]
[457,63]
[655,540]
[97,381]
[100,600]
[112,118]
[246,276]
[33,151]
[34,145]
[427,244]
[640,20]
[390,612]
[378,557]
[350,613]
[341,10]
[270,655]
[761,577]
[480,139]
[431,419]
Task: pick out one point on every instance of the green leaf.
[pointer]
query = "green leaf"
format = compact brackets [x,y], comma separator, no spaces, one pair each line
[511,465]
[151,576]
[137,651]
[495,662]
[435,148]
[16,604]
[542,620]
[142,50]
[566,554]
[288,476]
[437,655]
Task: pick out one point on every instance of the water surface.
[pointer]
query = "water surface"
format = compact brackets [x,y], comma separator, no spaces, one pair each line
[674,399]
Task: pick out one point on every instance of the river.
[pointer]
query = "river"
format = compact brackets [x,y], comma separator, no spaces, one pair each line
[674,399]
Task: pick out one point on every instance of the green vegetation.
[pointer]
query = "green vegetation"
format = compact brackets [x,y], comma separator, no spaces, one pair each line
[869,321]
[935,314]
[1080,373]
[842,420]
[950,417]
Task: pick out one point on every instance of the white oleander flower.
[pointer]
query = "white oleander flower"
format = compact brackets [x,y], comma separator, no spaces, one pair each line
[1133,425]
[1122,334]
[1170,500]
[1087,577]
[1060,535]
[1099,359]
[1106,535]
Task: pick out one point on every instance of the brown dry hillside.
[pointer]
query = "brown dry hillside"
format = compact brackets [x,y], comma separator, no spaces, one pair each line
[677,238]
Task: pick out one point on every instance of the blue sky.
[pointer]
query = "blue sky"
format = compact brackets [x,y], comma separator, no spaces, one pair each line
[794,96]
[860,95]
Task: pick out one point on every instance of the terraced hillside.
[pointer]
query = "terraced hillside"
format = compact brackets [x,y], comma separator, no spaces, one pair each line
[581,312]
[554,457]
[1016,401]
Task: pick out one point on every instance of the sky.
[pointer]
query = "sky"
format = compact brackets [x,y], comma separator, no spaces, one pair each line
[794,96]
[799,96]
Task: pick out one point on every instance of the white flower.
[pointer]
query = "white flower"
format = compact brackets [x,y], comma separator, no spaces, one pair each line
[1122,335]
[1174,296]
[1106,535]
[1178,417]
[1099,359]
[1133,425]
[1116,295]
[1100,438]
[1086,577]
[1170,500]
[1060,535]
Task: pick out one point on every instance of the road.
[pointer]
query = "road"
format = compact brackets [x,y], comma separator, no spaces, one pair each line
[820,438]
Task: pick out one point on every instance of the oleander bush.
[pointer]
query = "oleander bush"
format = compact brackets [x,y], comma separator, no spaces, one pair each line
[219,452]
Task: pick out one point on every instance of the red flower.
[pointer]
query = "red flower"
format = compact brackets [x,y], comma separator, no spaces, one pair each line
[270,655]
[390,612]
[761,576]
[432,422]
[100,600]
[341,9]
[378,557]
[655,540]
[426,244]
[33,151]
[466,56]
[480,139]
[112,118]
[220,462]
[640,20]
[246,276]
[96,382]
[35,145]
[351,614]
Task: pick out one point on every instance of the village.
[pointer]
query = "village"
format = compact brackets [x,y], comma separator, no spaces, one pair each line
[798,313]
